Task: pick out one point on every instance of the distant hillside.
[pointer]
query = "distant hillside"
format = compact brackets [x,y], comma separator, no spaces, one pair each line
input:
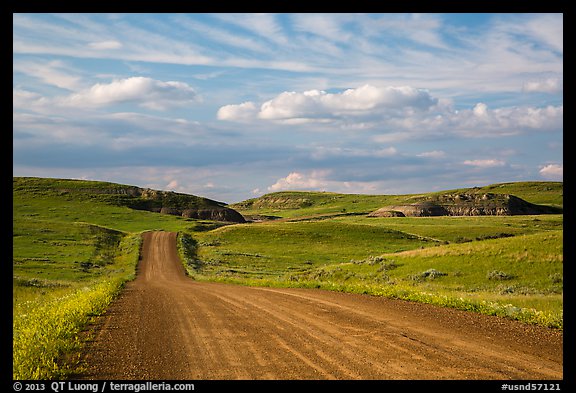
[165,202]
[302,203]
[539,193]
[465,204]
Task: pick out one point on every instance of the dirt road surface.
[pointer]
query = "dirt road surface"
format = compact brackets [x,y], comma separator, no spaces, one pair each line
[167,326]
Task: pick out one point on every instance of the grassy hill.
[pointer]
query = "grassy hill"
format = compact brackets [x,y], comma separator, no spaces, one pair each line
[291,204]
[113,194]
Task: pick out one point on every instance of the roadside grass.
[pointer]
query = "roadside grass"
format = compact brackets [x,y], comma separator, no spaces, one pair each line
[523,274]
[518,275]
[46,327]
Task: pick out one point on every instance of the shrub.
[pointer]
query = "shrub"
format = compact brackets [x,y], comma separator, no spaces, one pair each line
[433,273]
[430,273]
[498,275]
[556,278]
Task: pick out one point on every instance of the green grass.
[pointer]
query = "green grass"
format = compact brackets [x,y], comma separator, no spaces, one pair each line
[463,229]
[47,326]
[277,248]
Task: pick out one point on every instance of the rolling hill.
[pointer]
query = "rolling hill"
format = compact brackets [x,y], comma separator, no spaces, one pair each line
[291,204]
[166,202]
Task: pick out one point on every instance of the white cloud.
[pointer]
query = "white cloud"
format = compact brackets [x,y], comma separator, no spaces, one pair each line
[22,98]
[327,26]
[420,28]
[481,121]
[145,92]
[54,72]
[547,29]
[298,181]
[487,163]
[242,112]
[264,26]
[547,85]
[552,172]
[432,154]
[480,110]
[398,112]
[105,45]
[172,185]
[323,152]
[366,100]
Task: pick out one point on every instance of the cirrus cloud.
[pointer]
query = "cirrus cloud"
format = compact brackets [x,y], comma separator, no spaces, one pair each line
[104,45]
[488,163]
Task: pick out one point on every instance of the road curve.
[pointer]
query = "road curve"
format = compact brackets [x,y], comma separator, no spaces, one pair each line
[167,326]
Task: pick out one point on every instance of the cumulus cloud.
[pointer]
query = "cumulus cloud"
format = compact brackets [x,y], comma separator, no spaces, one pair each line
[316,180]
[399,112]
[487,163]
[242,112]
[317,104]
[552,172]
[512,120]
[172,185]
[481,121]
[146,92]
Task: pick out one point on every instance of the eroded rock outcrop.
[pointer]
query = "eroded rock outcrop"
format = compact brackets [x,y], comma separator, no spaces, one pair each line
[214,214]
[164,202]
[464,205]
[189,206]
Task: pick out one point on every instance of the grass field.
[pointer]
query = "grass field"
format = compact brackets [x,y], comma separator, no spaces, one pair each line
[74,249]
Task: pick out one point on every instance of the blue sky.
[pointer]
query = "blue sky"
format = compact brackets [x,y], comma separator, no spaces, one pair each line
[233,106]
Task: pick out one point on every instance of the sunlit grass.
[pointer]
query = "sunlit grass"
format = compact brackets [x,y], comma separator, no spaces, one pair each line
[46,330]
[519,277]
